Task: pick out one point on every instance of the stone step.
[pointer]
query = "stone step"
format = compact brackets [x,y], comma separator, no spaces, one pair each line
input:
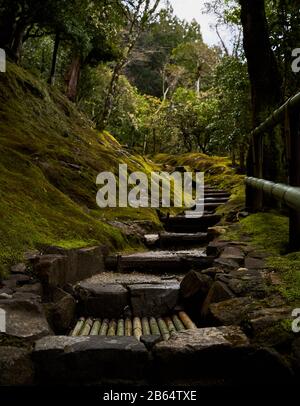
[166,239]
[160,262]
[182,224]
[216,199]
[216,195]
[212,206]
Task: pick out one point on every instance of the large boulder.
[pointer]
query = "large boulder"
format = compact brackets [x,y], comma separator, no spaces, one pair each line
[91,360]
[233,253]
[59,266]
[193,290]
[248,283]
[16,367]
[153,299]
[102,300]
[25,319]
[229,312]
[218,292]
[61,312]
[199,356]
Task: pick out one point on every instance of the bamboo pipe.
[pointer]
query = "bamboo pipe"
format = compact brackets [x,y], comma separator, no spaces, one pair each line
[78,327]
[128,327]
[137,328]
[104,327]
[170,325]
[189,324]
[163,329]
[146,326]
[87,327]
[154,326]
[96,328]
[120,328]
[177,323]
[112,328]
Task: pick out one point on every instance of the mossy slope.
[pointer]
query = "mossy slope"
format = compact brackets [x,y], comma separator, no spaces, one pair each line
[50,157]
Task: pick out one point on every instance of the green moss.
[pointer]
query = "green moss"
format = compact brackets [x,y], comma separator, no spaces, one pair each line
[266,231]
[269,232]
[50,158]
[288,267]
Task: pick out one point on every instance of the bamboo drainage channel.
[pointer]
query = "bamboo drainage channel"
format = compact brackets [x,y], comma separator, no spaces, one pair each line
[164,326]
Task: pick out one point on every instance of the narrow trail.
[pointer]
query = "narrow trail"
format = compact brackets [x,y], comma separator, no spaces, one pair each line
[192,310]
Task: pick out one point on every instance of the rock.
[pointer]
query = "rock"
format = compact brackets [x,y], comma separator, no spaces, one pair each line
[102,300]
[179,359]
[16,367]
[18,269]
[151,240]
[150,341]
[215,248]
[233,253]
[61,312]
[216,231]
[248,282]
[229,312]
[267,328]
[16,280]
[4,296]
[193,290]
[35,288]
[195,283]
[60,266]
[153,299]
[25,319]
[51,270]
[212,272]
[228,264]
[218,292]
[74,360]
[256,315]
[27,296]
[31,255]
[254,263]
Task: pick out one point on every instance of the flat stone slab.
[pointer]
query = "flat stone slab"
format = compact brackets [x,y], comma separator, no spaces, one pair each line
[102,300]
[191,224]
[90,359]
[153,300]
[161,261]
[25,319]
[202,338]
[203,356]
[125,278]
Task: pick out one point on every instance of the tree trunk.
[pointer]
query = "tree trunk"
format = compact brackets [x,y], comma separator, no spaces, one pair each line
[17,42]
[265,85]
[54,60]
[72,77]
[242,158]
[109,101]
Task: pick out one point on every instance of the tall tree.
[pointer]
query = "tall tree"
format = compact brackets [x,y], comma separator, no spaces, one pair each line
[137,13]
[265,83]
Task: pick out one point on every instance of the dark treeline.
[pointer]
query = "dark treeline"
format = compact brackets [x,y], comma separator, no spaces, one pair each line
[140,72]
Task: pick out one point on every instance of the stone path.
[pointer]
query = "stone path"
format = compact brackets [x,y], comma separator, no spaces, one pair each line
[223,286]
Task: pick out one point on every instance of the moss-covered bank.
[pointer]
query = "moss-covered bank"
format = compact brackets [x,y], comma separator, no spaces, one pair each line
[50,157]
